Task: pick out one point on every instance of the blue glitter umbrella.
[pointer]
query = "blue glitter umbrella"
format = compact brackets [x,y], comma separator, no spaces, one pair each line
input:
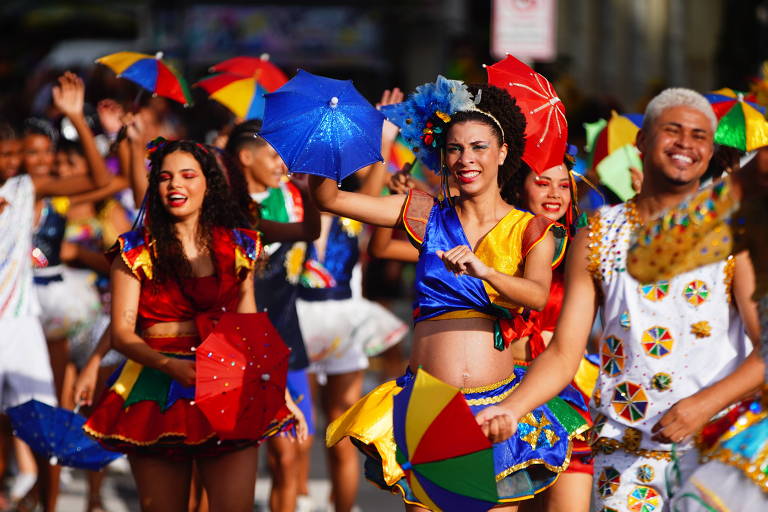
[322,126]
[58,434]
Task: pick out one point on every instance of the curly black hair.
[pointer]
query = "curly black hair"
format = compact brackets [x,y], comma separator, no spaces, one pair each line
[168,259]
[504,108]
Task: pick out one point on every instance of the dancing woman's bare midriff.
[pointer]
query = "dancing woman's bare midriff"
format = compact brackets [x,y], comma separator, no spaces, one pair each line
[170,329]
[460,352]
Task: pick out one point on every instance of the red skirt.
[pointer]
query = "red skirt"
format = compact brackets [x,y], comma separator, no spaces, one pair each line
[145,411]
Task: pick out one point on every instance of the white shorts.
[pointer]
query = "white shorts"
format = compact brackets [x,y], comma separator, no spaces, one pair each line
[25,369]
[340,334]
[69,302]
[81,345]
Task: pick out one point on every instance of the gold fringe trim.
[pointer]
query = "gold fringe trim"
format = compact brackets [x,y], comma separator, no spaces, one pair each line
[489,387]
[595,245]
[135,442]
[728,270]
[615,444]
[491,399]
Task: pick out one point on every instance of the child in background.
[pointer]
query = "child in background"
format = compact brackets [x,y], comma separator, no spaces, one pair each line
[276,288]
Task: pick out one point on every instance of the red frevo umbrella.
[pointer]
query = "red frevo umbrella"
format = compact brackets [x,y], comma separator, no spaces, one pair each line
[546,131]
[261,69]
[241,368]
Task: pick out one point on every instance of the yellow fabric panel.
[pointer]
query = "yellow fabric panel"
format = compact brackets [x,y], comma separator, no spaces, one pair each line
[586,376]
[370,421]
[463,313]
[127,378]
[502,250]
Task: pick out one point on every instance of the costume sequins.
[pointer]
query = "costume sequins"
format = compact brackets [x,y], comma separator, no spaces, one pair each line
[608,482]
[630,401]
[535,429]
[661,381]
[625,321]
[696,292]
[657,341]
[701,329]
[645,473]
[644,499]
[656,291]
[612,356]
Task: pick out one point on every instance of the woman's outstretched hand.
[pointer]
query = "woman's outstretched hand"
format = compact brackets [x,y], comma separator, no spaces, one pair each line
[496,423]
[461,260]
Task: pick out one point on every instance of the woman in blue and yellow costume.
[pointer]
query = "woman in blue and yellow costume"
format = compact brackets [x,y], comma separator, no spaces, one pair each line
[724,219]
[482,266]
[191,258]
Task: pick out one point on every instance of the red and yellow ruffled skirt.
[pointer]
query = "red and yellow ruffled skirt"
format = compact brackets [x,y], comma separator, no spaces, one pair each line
[144,410]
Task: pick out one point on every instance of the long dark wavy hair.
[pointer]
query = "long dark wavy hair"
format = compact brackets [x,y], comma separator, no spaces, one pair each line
[503,107]
[219,209]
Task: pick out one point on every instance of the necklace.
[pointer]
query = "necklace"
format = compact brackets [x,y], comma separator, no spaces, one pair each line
[633,216]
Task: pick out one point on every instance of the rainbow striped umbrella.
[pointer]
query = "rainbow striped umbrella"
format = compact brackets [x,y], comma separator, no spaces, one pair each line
[742,124]
[447,460]
[609,135]
[261,69]
[244,96]
[151,73]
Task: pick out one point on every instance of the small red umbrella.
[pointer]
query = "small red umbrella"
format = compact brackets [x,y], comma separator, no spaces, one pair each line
[241,369]
[269,76]
[546,130]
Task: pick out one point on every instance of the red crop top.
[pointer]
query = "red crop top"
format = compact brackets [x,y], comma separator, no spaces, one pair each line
[236,251]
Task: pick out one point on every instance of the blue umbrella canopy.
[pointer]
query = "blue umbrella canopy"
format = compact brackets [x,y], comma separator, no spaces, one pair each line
[322,126]
[58,434]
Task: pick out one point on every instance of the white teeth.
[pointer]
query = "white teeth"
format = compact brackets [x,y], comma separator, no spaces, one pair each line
[470,174]
[682,158]
[174,197]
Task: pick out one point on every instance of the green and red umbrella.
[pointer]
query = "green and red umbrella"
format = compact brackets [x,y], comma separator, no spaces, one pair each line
[742,124]
[242,83]
[151,73]
[447,459]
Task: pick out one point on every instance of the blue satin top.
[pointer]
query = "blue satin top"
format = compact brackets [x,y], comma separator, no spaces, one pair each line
[330,278]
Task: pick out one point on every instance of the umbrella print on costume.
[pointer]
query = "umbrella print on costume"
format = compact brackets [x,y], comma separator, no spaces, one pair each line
[657,342]
[643,499]
[612,356]
[546,130]
[242,83]
[608,482]
[656,291]
[447,459]
[58,434]
[322,126]
[241,368]
[151,73]
[630,401]
[696,292]
[742,124]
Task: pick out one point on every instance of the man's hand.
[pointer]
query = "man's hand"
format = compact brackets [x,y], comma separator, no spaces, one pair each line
[683,420]
[497,424]
[69,95]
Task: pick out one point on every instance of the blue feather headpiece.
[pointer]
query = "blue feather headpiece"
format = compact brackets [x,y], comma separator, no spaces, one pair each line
[423,118]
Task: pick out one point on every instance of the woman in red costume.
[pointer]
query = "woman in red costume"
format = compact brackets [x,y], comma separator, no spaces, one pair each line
[192,257]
